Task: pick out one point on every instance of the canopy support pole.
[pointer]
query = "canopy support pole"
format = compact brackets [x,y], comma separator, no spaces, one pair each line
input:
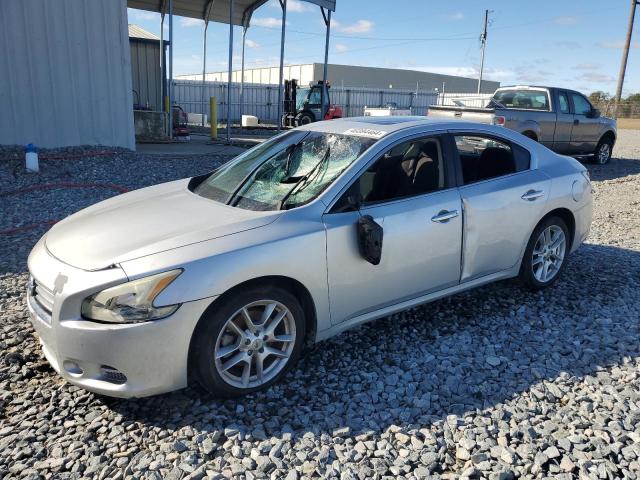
[327,22]
[163,75]
[204,59]
[244,35]
[170,69]
[283,4]
[230,71]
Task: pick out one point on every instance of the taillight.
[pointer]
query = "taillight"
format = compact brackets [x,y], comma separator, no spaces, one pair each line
[498,120]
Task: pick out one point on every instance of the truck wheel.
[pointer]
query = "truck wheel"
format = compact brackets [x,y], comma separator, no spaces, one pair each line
[304,118]
[531,135]
[603,151]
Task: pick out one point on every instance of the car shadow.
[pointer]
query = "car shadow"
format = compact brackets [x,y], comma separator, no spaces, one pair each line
[474,350]
[616,168]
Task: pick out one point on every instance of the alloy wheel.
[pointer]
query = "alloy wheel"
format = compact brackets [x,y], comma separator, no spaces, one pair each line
[255,344]
[548,253]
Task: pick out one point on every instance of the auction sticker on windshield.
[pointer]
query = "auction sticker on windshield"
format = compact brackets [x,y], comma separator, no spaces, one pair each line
[365,132]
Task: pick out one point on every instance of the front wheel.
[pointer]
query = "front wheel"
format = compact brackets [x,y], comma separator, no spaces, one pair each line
[545,256]
[603,151]
[248,341]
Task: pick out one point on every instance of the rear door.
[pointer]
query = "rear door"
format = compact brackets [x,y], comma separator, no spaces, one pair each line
[502,200]
[584,135]
[564,122]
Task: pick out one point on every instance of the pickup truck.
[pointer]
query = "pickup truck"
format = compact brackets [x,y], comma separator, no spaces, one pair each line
[563,120]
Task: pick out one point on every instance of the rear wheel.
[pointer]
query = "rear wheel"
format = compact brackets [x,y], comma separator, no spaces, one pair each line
[603,151]
[248,341]
[545,256]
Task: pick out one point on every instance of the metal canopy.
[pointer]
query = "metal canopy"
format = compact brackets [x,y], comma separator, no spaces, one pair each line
[231,12]
[242,9]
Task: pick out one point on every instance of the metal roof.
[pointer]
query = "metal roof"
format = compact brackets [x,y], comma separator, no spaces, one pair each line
[135,31]
[218,9]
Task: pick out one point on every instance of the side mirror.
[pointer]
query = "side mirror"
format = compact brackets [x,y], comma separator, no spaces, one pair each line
[370,239]
[594,113]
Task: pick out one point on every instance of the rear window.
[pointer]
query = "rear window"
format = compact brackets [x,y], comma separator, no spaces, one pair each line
[522,99]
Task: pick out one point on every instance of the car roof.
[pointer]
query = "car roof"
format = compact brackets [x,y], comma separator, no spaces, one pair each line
[384,125]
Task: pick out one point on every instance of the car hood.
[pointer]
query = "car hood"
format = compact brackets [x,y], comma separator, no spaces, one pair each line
[144,222]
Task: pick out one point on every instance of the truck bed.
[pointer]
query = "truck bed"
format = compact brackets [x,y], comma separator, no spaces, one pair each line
[470,114]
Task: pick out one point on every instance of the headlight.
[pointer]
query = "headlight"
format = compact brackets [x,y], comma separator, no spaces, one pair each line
[131,302]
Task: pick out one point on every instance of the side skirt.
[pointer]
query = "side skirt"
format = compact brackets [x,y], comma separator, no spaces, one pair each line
[398,307]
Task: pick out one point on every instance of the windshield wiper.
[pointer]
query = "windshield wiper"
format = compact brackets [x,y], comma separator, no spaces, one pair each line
[304,179]
[235,193]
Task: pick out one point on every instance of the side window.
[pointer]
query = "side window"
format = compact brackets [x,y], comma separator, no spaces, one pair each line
[564,102]
[408,169]
[580,104]
[485,157]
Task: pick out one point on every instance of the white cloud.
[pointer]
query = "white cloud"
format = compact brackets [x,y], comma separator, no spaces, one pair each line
[586,66]
[191,22]
[269,22]
[134,14]
[596,77]
[565,20]
[455,16]
[251,44]
[361,26]
[292,6]
[616,44]
[341,48]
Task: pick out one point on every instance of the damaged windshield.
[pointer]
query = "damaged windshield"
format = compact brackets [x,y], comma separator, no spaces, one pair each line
[285,172]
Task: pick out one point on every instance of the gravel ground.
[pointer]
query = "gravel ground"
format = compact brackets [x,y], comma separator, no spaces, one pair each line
[493,383]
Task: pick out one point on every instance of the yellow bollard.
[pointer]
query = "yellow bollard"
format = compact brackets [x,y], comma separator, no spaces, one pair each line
[213,120]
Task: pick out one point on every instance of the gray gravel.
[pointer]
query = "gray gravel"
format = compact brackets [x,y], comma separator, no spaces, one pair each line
[494,383]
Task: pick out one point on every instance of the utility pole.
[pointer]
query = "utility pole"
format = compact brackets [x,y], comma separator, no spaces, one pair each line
[625,54]
[483,41]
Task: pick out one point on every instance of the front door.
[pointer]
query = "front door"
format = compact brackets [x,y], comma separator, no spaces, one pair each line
[409,193]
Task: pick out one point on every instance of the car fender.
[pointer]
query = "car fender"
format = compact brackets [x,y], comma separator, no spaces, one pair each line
[290,247]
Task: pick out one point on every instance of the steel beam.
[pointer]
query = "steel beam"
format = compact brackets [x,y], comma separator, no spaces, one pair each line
[170,90]
[283,5]
[327,22]
[230,71]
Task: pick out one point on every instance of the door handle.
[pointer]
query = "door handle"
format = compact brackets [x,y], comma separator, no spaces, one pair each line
[532,195]
[444,216]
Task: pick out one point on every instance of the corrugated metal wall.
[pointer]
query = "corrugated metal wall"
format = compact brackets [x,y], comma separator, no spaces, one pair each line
[65,73]
[145,73]
[261,100]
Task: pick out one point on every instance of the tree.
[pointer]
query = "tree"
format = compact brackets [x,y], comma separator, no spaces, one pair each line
[599,97]
[633,98]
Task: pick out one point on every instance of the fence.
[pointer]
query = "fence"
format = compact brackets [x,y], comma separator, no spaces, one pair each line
[262,100]
[625,109]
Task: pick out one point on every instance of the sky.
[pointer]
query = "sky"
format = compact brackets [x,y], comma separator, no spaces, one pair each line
[565,43]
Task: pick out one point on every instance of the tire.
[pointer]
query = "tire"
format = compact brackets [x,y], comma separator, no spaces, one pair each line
[603,151]
[217,344]
[537,257]
[531,135]
[304,118]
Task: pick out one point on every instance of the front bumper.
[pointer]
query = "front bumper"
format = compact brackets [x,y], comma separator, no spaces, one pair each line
[120,360]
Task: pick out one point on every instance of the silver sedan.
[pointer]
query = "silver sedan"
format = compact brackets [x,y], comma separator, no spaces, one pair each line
[223,278]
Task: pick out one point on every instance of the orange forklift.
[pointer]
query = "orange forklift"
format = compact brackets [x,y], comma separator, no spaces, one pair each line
[306,105]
